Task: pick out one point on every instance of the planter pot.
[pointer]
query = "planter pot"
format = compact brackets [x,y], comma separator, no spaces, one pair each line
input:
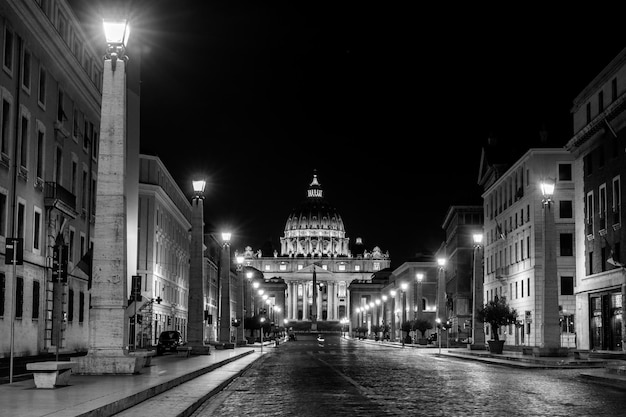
[496,346]
[422,341]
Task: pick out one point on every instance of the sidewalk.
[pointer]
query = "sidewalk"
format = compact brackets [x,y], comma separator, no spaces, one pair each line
[105,395]
[609,372]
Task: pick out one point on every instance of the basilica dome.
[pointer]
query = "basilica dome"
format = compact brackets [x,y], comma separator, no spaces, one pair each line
[314,228]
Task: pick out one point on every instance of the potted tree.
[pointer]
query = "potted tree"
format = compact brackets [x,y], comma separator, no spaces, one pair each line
[376,329]
[406,329]
[422,325]
[496,313]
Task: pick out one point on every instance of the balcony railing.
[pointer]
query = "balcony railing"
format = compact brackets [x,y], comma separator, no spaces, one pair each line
[57,196]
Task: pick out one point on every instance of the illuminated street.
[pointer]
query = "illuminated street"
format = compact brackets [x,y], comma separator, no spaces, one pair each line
[348,377]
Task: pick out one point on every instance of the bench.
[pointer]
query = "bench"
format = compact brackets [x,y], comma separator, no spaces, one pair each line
[186,350]
[51,374]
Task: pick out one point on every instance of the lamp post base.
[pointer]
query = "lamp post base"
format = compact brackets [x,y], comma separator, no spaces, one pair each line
[476,346]
[199,349]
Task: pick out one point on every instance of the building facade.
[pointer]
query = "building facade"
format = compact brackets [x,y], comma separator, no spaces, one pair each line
[50,87]
[315,243]
[517,243]
[599,121]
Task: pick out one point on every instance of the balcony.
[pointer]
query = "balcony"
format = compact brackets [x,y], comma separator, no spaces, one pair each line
[502,272]
[56,196]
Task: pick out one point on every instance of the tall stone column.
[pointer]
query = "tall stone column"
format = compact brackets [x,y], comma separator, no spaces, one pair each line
[195,308]
[109,294]
[288,313]
[295,301]
[305,301]
[318,296]
[225,307]
[331,301]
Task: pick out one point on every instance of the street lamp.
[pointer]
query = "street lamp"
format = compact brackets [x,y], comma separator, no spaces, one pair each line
[550,341]
[240,330]
[419,277]
[403,288]
[392,293]
[262,320]
[225,318]
[106,352]
[196,297]
[478,332]
[384,314]
[441,287]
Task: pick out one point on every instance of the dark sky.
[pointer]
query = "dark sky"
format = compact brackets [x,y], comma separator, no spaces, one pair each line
[390,104]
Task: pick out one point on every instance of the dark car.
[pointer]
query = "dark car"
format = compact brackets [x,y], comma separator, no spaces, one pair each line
[169,340]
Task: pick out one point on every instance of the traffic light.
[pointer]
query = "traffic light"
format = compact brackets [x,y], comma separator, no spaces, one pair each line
[60,258]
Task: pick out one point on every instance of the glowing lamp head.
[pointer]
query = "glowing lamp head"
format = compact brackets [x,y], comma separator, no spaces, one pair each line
[547,188]
[392,293]
[384,297]
[226,237]
[404,286]
[441,262]
[116,32]
[419,277]
[478,238]
[198,188]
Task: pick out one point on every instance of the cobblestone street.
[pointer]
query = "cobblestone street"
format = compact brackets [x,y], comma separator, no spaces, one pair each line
[346,377]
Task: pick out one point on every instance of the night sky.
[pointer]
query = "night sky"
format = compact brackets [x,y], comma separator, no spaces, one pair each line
[390,104]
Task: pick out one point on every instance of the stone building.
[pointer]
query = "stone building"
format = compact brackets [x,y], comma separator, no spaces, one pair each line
[315,244]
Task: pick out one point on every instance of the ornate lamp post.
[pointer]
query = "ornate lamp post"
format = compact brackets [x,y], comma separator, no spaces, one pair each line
[550,333]
[106,354]
[441,288]
[384,313]
[196,307]
[403,288]
[225,316]
[392,293]
[241,308]
[478,330]
[419,277]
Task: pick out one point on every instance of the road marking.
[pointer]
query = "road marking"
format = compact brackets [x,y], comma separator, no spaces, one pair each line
[366,392]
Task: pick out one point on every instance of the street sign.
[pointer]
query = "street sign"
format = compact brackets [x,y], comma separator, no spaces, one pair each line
[14,251]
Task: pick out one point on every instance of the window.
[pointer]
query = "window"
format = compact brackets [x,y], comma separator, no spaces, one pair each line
[61,117]
[21,208]
[71,244]
[528,246]
[6,126]
[8,51]
[76,124]
[41,137]
[588,113]
[3,213]
[590,263]
[589,213]
[41,98]
[84,193]
[567,285]
[342,267]
[74,174]
[357,267]
[81,307]
[2,293]
[617,200]
[37,230]
[600,101]
[24,130]
[19,298]
[36,299]
[566,244]
[94,146]
[267,267]
[26,70]
[70,305]
[566,210]
[58,165]
[602,206]
[614,89]
[93,194]
[565,172]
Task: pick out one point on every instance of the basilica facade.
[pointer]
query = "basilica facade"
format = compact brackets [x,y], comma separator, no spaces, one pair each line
[316,259]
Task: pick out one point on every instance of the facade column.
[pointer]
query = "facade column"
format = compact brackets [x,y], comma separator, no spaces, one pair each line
[305,301]
[289,298]
[331,301]
[318,294]
[295,299]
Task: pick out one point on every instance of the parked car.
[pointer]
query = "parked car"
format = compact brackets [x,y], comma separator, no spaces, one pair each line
[168,341]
